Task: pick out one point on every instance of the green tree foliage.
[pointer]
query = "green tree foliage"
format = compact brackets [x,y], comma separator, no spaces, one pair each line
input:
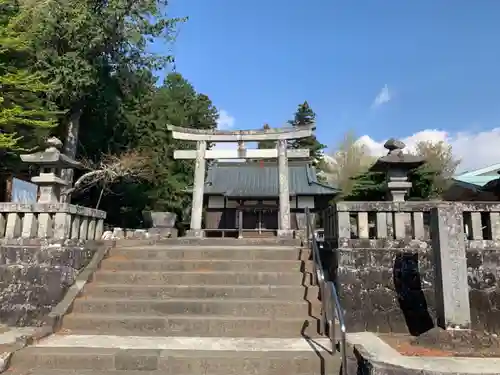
[97,54]
[79,43]
[141,123]
[25,112]
[305,116]
[367,186]
[177,103]
[371,186]
[266,144]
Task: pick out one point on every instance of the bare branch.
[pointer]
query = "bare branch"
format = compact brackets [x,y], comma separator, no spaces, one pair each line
[440,160]
[130,165]
[349,159]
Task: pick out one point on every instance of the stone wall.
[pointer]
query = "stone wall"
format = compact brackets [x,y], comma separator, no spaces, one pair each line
[387,286]
[483,269]
[34,277]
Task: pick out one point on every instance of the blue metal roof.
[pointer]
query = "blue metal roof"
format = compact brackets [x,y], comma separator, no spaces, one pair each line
[476,180]
[480,177]
[252,179]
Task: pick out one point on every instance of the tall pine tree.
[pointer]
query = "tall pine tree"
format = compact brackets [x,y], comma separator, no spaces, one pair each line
[24,111]
[305,116]
[266,144]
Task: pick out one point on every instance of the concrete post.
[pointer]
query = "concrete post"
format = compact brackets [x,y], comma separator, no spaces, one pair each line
[30,225]
[198,190]
[3,223]
[99,229]
[452,289]
[45,229]
[14,225]
[84,227]
[91,229]
[284,193]
[75,227]
[62,225]
[240,223]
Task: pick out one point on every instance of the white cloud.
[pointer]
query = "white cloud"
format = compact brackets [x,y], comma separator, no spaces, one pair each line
[225,146]
[476,150]
[384,96]
[225,121]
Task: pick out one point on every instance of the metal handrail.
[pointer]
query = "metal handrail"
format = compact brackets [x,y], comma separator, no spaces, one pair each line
[329,294]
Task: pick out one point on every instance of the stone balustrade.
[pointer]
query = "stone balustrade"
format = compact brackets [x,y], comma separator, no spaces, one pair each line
[56,221]
[409,220]
[379,220]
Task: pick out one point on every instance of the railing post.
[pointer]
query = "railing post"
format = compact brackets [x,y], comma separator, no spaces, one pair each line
[45,229]
[451,284]
[3,223]
[62,225]
[99,229]
[307,226]
[30,225]
[75,227]
[14,225]
[84,225]
[91,229]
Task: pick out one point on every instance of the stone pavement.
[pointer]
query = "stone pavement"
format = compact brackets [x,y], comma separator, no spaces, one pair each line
[372,356]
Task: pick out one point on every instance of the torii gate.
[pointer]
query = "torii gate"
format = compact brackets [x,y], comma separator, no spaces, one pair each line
[202,136]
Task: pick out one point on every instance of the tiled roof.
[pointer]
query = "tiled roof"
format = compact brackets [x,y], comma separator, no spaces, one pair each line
[253,179]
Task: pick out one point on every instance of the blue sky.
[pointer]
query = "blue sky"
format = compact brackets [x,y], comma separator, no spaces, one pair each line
[434,66]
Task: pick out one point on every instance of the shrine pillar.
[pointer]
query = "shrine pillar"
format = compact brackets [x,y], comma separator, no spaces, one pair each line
[284,191]
[198,190]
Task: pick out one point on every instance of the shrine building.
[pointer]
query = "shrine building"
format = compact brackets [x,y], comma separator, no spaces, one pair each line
[242,198]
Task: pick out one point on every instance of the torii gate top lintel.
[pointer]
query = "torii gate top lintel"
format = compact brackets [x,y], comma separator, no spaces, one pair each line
[216,135]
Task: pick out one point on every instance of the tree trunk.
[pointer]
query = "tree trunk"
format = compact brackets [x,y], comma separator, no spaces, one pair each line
[70,147]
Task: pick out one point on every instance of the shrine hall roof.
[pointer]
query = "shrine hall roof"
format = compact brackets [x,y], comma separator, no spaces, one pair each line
[255,179]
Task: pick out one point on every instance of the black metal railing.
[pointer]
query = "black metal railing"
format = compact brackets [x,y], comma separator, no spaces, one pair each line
[331,310]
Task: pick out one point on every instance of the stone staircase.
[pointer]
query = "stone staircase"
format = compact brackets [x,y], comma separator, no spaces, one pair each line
[220,309]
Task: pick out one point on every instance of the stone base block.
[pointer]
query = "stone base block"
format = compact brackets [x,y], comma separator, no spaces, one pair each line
[162,233]
[285,233]
[195,233]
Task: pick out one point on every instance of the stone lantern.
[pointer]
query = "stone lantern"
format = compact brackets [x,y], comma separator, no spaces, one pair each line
[396,165]
[51,162]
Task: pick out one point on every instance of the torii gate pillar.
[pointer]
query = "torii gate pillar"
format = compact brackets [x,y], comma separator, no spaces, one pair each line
[284,191]
[199,189]
[280,135]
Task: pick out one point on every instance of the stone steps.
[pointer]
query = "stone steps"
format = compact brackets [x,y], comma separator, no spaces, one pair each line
[212,242]
[155,265]
[175,356]
[283,292]
[199,278]
[205,307]
[189,325]
[179,362]
[212,253]
[181,308]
